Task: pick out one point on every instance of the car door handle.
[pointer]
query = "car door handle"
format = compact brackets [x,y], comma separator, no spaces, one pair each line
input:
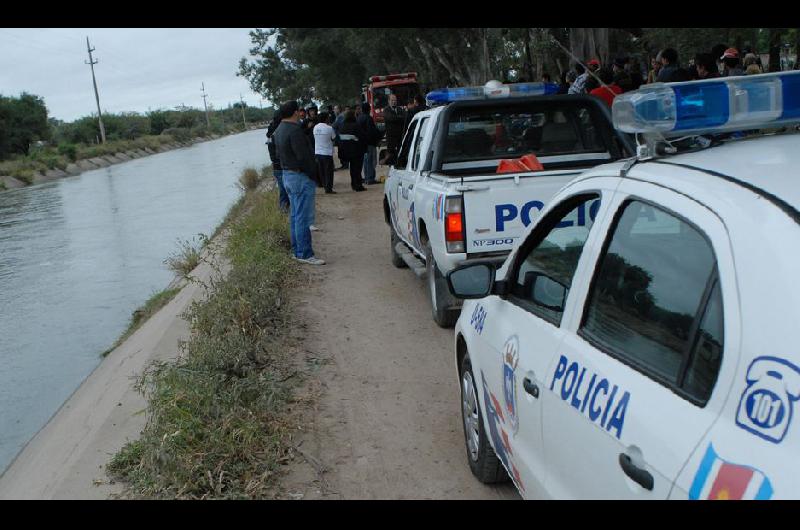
[530,387]
[637,474]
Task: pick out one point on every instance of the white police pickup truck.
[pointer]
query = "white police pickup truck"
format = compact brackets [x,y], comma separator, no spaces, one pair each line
[650,353]
[444,201]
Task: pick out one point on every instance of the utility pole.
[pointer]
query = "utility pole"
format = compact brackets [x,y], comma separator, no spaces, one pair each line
[208,122]
[91,63]
[244,122]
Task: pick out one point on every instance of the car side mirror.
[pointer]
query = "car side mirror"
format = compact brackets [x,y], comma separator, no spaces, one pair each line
[545,291]
[471,281]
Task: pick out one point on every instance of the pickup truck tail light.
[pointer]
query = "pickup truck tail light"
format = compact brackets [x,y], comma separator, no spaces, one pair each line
[454,229]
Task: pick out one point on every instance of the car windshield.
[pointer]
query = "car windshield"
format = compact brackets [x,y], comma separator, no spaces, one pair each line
[543,128]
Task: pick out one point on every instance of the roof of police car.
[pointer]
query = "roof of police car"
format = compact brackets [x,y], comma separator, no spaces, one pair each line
[769,163]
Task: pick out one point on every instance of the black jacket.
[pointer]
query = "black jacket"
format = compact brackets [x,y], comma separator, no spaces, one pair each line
[394,120]
[352,144]
[410,116]
[293,150]
[273,153]
[372,136]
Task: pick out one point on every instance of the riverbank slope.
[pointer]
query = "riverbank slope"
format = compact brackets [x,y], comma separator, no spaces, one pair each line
[67,457]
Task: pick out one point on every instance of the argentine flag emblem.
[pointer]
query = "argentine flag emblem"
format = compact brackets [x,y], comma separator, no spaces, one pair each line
[717,479]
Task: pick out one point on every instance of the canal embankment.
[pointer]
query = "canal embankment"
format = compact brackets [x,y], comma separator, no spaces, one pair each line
[199,387]
[36,170]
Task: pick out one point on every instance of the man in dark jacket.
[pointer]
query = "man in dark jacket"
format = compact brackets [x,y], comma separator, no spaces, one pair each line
[352,148]
[283,197]
[371,138]
[417,104]
[393,117]
[298,164]
[337,124]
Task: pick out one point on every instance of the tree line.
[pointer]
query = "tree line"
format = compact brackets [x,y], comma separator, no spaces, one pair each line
[24,122]
[331,64]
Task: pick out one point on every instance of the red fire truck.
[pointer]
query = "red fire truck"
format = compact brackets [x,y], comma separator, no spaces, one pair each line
[377,91]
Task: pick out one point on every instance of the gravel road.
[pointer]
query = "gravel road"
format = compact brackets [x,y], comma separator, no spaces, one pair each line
[387,421]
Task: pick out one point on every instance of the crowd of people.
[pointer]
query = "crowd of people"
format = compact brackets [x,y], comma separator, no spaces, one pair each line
[624,74]
[301,140]
[301,144]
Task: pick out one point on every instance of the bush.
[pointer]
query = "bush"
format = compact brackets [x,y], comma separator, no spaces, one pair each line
[68,150]
[249,179]
[181,134]
[186,258]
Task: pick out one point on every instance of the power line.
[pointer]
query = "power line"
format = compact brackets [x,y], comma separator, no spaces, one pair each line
[91,64]
[208,122]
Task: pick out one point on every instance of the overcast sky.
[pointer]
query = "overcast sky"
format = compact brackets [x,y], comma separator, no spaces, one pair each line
[139,69]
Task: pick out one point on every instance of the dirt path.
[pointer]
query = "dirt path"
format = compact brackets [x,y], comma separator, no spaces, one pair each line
[388,422]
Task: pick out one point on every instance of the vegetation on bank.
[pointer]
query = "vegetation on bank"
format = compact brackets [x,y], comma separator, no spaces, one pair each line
[140,316]
[216,416]
[32,143]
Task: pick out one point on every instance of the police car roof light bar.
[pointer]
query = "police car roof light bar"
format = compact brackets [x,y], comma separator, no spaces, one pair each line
[492,89]
[711,105]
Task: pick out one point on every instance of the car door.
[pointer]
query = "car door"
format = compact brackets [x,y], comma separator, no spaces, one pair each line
[400,194]
[521,333]
[629,396]
[411,179]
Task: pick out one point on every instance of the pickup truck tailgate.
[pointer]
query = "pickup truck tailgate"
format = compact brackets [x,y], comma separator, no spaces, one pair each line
[498,209]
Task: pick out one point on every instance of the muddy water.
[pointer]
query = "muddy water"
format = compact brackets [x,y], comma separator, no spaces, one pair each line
[79,254]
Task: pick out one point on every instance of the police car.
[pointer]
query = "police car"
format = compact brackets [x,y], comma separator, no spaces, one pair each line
[648,352]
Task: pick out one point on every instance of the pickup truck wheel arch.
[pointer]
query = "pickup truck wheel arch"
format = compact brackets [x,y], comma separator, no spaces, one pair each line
[440,298]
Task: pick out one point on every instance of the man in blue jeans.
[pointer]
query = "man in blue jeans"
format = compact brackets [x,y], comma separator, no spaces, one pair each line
[297,164]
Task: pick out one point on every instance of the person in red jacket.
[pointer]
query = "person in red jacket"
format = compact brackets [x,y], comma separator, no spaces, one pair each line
[609,92]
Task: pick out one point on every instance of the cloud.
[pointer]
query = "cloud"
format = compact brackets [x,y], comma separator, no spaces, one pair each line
[138,69]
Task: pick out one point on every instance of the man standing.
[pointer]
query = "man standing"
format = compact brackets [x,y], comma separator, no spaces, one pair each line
[394,119]
[371,138]
[337,124]
[323,151]
[414,106]
[578,87]
[730,63]
[669,72]
[283,197]
[298,165]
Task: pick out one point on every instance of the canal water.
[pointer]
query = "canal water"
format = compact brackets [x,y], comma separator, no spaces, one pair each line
[80,254]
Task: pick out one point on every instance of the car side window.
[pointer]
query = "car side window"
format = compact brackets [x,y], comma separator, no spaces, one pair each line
[402,158]
[423,128]
[544,274]
[655,303]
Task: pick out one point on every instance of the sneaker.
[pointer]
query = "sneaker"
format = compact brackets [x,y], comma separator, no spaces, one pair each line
[362,188]
[330,191]
[314,228]
[313,260]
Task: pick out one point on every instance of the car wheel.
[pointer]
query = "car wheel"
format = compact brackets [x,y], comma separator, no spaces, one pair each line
[483,461]
[441,300]
[397,261]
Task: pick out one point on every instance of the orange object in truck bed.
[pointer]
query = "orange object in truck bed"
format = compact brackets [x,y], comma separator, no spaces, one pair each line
[515,165]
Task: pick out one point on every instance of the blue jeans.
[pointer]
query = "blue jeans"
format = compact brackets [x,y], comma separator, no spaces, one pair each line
[283,197]
[302,191]
[370,160]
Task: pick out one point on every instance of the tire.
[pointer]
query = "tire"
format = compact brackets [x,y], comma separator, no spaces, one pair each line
[440,297]
[483,461]
[397,261]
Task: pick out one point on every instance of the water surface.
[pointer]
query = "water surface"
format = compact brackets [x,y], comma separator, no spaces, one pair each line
[80,254]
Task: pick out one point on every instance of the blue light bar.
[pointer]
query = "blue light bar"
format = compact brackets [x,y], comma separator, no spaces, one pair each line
[490,90]
[711,105]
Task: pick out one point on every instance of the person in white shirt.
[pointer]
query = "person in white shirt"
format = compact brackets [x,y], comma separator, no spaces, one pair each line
[323,150]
